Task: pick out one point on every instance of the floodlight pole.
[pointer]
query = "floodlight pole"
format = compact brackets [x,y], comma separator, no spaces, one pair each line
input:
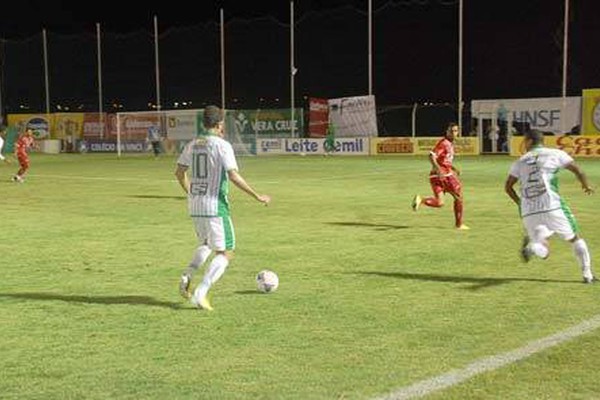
[99,61]
[156,61]
[46,79]
[292,70]
[2,122]
[222,21]
[565,63]
[565,49]
[460,66]
[370,46]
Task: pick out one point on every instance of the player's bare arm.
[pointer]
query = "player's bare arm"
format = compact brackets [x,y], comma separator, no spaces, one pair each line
[581,177]
[241,183]
[182,177]
[434,163]
[510,190]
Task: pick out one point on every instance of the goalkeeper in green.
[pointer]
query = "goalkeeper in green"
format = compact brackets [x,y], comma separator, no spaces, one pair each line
[329,144]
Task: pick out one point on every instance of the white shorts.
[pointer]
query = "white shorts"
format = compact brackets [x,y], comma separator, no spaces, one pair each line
[217,232]
[561,221]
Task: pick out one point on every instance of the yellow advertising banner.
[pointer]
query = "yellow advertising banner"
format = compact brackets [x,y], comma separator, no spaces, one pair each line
[67,125]
[462,145]
[420,145]
[590,112]
[42,124]
[574,145]
[392,145]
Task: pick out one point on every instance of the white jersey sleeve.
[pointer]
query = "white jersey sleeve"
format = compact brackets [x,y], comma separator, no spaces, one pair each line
[229,161]
[563,159]
[185,158]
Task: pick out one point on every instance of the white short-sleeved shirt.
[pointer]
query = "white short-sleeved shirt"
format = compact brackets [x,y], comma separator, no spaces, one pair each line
[209,158]
[537,173]
[153,134]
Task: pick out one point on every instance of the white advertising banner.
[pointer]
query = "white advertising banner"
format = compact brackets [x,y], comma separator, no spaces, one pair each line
[550,114]
[309,146]
[353,116]
[181,126]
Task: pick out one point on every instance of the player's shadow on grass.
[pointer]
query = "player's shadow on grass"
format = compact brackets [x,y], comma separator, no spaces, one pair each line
[157,196]
[475,283]
[379,227]
[130,300]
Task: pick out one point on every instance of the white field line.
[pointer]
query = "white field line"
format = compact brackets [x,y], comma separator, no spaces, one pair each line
[454,377]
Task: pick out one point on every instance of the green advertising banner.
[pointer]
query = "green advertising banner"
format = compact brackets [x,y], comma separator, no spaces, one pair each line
[268,122]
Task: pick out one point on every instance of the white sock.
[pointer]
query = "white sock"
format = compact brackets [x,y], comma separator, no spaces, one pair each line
[213,274]
[200,256]
[583,256]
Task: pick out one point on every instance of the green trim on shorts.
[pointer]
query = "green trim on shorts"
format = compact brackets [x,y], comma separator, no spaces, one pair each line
[229,233]
[570,217]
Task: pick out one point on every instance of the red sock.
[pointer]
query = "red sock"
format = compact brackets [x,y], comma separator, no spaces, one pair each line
[458,212]
[431,202]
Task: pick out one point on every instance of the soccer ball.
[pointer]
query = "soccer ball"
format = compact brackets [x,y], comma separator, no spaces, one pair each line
[267,281]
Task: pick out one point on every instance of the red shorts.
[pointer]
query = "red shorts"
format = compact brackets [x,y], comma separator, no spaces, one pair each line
[445,184]
[23,160]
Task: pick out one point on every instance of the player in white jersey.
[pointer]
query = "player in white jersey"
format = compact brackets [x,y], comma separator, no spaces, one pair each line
[204,169]
[2,132]
[542,209]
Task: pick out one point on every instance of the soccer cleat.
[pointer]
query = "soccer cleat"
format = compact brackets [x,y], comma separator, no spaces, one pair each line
[525,252]
[416,203]
[589,279]
[202,303]
[184,286]
[463,227]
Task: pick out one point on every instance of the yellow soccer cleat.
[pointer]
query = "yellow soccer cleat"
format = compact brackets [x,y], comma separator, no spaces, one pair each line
[202,304]
[416,203]
[463,227]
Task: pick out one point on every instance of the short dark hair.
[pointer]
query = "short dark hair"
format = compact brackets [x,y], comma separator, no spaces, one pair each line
[536,136]
[449,126]
[212,116]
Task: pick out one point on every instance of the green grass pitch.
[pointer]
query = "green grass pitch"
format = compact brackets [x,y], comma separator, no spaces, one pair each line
[372,298]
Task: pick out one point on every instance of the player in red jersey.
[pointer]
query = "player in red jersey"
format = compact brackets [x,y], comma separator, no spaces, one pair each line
[24,143]
[444,177]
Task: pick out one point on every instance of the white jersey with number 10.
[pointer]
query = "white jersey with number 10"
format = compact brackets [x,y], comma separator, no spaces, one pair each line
[537,173]
[208,159]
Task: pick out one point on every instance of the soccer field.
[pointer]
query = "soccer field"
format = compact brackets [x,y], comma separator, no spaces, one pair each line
[373,297]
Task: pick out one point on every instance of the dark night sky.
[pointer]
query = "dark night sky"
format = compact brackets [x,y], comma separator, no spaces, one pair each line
[512,48]
[117,16]
[31,16]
